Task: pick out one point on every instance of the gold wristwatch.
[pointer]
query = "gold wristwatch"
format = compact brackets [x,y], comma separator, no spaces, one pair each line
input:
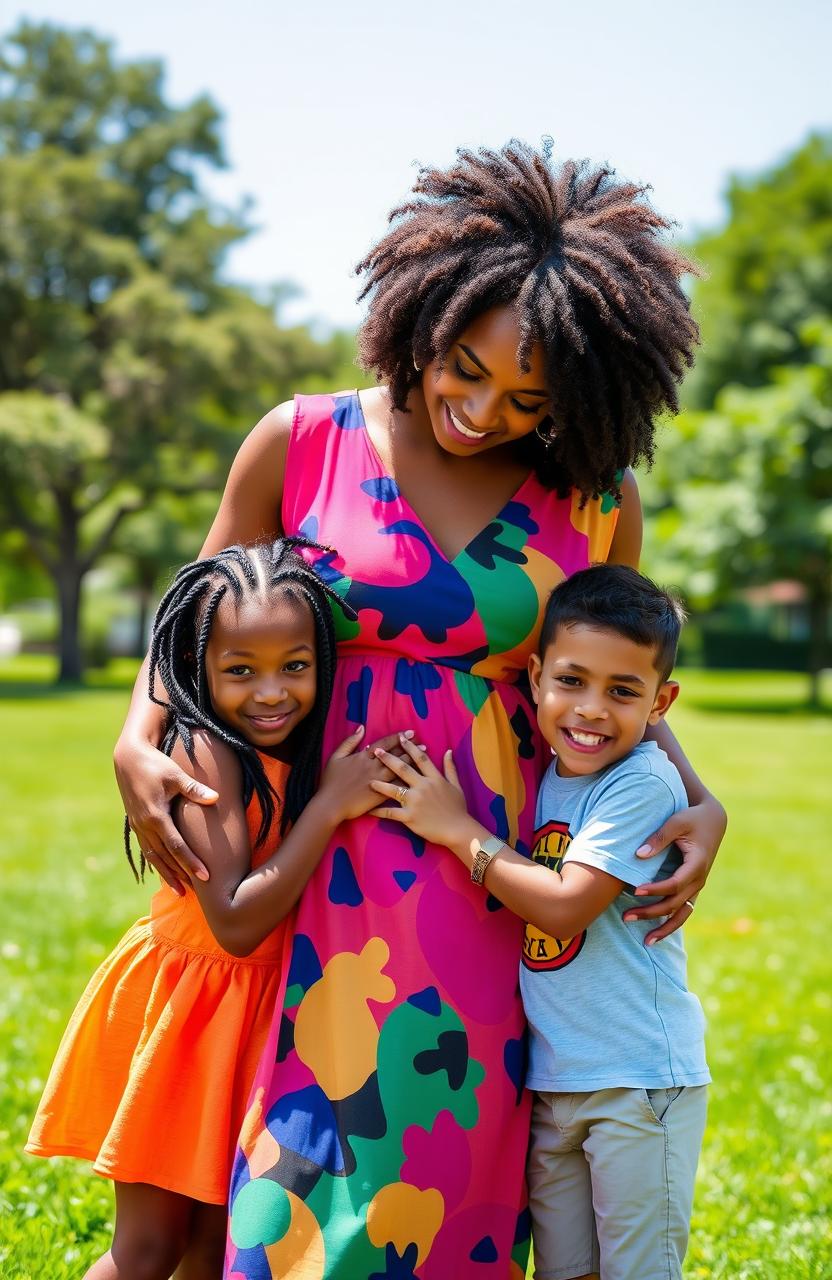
[486,849]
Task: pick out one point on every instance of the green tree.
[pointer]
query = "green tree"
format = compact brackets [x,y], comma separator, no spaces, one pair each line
[151,545]
[769,271]
[742,493]
[129,366]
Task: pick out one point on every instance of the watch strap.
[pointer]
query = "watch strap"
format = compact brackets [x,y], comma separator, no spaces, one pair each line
[486,850]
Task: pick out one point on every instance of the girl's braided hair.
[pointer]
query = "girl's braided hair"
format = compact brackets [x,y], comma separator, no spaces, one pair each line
[583,257]
[181,630]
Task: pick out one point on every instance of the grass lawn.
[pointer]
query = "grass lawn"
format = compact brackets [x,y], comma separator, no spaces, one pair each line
[758,944]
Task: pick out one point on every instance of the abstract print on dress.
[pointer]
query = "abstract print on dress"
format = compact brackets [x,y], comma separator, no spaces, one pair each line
[387,1129]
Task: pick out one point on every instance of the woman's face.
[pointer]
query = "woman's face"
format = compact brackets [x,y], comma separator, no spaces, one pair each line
[482,398]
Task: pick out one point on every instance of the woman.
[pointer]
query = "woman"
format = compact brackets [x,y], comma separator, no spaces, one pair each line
[530,325]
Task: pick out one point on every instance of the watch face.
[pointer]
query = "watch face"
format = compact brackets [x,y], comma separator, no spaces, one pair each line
[492,845]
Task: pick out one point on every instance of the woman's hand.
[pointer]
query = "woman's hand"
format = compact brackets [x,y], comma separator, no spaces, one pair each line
[148,780]
[349,776]
[697,832]
[431,805]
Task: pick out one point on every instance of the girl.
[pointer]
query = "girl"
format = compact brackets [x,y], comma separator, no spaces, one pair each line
[151,1078]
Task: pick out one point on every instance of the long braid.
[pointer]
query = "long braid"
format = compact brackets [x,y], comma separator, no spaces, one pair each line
[181,632]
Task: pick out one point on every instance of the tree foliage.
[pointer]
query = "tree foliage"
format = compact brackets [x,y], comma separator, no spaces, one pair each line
[769,271]
[742,489]
[129,366]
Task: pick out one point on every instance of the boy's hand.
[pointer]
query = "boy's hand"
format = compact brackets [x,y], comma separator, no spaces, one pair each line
[432,806]
[346,784]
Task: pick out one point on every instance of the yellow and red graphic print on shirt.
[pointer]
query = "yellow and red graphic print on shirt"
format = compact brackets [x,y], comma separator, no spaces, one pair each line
[540,951]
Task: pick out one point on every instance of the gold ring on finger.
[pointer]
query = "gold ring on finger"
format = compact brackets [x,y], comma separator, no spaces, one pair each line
[690,904]
[401,794]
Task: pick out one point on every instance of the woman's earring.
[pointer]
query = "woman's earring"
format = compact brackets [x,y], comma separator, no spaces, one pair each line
[415,365]
[547,437]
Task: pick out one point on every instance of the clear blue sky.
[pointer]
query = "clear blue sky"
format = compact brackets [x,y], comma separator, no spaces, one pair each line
[329,105]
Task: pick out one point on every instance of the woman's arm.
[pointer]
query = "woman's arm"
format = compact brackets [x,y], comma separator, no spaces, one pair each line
[147,779]
[242,905]
[625,547]
[698,830]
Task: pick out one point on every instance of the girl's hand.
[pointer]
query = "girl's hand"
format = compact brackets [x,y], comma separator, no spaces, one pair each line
[697,832]
[347,780]
[148,780]
[432,806]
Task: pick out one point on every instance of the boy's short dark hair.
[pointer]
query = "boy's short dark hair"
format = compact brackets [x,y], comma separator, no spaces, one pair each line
[613,597]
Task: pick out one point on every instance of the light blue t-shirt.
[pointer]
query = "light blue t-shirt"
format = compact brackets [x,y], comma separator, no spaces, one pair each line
[604,1010]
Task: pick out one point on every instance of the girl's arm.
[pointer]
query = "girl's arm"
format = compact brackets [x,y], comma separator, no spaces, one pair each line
[147,779]
[242,905]
[697,830]
[560,903]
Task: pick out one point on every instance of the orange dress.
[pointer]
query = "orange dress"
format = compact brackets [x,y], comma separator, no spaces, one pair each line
[153,1073]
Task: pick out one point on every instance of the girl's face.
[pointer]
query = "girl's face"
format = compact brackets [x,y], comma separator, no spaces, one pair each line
[482,398]
[260,664]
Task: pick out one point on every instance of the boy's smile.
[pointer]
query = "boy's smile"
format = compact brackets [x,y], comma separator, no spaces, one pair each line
[596,692]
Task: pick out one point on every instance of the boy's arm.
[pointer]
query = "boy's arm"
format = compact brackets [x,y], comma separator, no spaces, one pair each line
[599,861]
[560,903]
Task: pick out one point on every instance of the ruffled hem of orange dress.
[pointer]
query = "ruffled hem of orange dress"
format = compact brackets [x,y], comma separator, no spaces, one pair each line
[152,1076]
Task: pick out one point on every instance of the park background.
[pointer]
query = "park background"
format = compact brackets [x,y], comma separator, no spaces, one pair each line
[179,214]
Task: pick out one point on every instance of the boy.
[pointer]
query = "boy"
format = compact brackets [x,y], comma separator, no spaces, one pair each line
[617,1057]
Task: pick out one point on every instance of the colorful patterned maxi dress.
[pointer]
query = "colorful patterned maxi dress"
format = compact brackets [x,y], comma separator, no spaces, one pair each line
[387,1131]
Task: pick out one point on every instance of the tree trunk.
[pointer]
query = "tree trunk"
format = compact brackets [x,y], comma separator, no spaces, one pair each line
[68,584]
[819,605]
[145,594]
[69,572]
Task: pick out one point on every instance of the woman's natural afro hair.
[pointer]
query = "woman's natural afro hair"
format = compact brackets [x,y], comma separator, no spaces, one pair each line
[584,258]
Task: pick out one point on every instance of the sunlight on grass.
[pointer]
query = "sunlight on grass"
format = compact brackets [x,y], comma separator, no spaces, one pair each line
[758,945]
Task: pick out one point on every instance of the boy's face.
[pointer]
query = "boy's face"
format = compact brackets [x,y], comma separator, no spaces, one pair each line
[596,692]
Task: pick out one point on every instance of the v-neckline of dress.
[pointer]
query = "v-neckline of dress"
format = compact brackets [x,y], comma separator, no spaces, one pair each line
[405,501]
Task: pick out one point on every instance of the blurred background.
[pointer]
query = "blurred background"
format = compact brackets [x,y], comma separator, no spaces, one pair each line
[183,195]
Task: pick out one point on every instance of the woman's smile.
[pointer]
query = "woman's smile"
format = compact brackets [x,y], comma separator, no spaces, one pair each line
[460,430]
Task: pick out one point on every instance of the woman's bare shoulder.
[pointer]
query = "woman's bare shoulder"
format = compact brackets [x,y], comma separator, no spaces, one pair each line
[270,436]
[250,506]
[374,400]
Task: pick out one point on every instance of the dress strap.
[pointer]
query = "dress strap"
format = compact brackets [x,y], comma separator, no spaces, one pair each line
[321,425]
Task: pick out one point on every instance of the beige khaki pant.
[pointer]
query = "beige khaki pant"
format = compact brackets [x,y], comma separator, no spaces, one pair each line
[611,1177]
